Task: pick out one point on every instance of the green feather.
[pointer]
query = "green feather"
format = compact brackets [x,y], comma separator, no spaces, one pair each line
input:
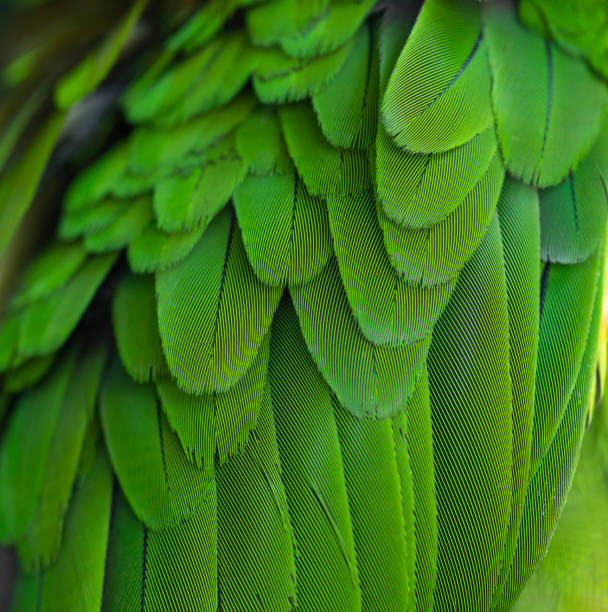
[313,472]
[123,228]
[25,446]
[543,129]
[297,244]
[520,232]
[90,219]
[160,149]
[48,272]
[370,381]
[324,169]
[43,537]
[347,109]
[90,72]
[27,373]
[183,202]
[213,312]
[136,328]
[389,310]
[332,30]
[174,568]
[436,254]
[573,214]
[438,95]
[470,390]
[551,479]
[46,323]
[373,483]
[420,446]
[420,191]
[259,141]
[154,250]
[19,183]
[211,425]
[567,294]
[162,486]
[256,567]
[280,78]
[75,580]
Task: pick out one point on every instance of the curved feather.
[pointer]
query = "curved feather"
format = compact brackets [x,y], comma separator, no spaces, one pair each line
[544,131]
[566,305]
[212,310]
[520,233]
[154,250]
[163,487]
[216,425]
[573,214]
[370,381]
[43,537]
[297,244]
[436,254]
[136,328]
[438,95]
[389,310]
[422,190]
[550,481]
[324,169]
[347,108]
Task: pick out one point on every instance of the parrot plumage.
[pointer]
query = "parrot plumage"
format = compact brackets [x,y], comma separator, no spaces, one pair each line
[302,305]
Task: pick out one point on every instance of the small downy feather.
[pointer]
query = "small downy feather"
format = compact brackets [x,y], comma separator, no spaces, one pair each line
[216,425]
[212,310]
[256,566]
[136,327]
[543,129]
[370,381]
[438,95]
[162,486]
[296,245]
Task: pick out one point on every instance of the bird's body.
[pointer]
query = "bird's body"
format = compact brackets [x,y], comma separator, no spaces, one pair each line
[317,325]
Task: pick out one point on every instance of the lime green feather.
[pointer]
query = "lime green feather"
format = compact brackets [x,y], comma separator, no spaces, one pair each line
[471,399]
[543,129]
[325,170]
[216,425]
[297,244]
[438,95]
[388,309]
[370,381]
[435,255]
[313,472]
[162,486]
[213,312]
